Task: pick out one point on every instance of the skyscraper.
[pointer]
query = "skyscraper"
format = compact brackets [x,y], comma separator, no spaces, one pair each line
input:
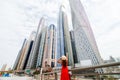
[29,45]
[73,47]
[50,47]
[41,47]
[34,53]
[84,40]
[24,53]
[18,57]
[63,41]
[60,36]
[21,54]
[45,54]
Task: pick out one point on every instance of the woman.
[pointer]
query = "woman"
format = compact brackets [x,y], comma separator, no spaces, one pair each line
[64,71]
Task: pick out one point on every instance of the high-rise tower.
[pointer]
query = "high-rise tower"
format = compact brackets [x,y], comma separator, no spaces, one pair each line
[50,47]
[24,53]
[41,47]
[73,47]
[84,40]
[29,45]
[34,53]
[15,67]
[63,41]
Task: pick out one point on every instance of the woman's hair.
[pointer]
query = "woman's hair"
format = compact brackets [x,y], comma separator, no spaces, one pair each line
[64,63]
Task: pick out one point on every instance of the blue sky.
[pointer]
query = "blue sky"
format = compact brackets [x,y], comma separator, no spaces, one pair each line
[18,18]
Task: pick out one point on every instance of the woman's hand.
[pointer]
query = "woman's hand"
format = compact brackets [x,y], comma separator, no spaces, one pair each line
[59,61]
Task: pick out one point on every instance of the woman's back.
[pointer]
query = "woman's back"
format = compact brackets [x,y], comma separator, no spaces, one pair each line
[64,70]
[64,73]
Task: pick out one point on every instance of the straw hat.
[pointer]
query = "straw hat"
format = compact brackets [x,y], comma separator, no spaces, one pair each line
[64,58]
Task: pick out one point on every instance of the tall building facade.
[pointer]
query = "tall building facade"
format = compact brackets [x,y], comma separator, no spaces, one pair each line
[15,67]
[85,43]
[45,49]
[60,36]
[50,47]
[29,45]
[63,41]
[23,55]
[32,61]
[41,47]
[73,47]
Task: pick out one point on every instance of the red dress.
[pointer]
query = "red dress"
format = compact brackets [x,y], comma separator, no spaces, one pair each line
[64,73]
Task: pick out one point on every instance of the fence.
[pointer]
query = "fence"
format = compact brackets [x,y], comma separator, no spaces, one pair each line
[86,73]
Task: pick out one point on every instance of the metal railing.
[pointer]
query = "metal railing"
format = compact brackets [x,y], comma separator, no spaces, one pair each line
[82,72]
[90,75]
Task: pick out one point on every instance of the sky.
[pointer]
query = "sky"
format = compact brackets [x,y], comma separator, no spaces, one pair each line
[18,18]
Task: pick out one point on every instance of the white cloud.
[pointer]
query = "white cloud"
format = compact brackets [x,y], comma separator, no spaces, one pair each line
[109,43]
[105,21]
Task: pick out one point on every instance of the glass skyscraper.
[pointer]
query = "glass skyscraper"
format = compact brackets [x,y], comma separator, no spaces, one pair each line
[41,46]
[50,47]
[23,55]
[34,53]
[63,37]
[73,47]
[18,57]
[28,50]
[85,43]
